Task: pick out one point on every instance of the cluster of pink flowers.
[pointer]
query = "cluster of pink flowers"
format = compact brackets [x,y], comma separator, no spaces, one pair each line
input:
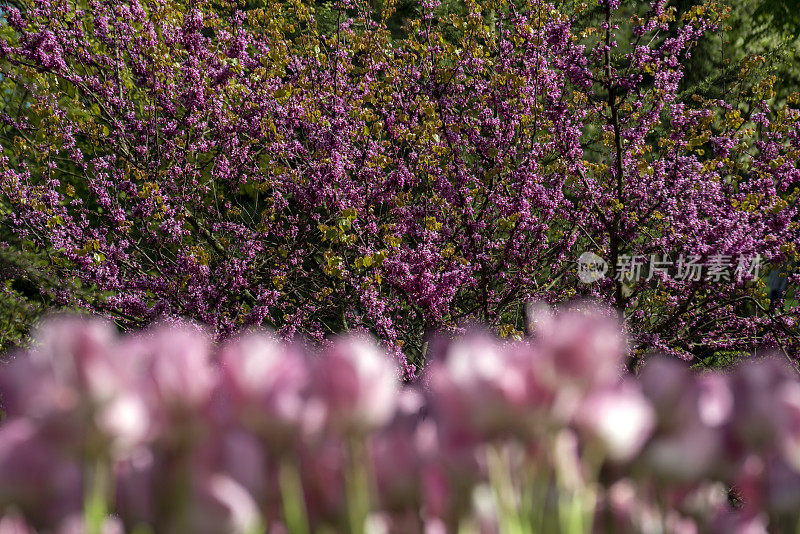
[167,431]
[249,169]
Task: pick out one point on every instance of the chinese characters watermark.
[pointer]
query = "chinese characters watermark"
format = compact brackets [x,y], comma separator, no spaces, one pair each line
[688,268]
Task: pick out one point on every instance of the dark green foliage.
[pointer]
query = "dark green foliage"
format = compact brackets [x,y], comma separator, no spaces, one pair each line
[783,15]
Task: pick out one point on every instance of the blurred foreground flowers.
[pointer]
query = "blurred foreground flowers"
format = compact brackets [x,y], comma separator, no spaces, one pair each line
[166,432]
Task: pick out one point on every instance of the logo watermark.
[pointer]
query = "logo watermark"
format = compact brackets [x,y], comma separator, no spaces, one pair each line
[591,267]
[688,268]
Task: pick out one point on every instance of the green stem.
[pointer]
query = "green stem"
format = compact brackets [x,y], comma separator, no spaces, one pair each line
[294,504]
[508,514]
[95,504]
[357,486]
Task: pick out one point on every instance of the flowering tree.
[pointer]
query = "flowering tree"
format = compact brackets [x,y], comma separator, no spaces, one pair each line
[245,168]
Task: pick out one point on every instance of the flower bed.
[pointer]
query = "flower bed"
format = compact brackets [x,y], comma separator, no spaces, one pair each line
[166,432]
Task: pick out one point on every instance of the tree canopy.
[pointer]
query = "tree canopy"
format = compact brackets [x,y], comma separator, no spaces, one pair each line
[321,168]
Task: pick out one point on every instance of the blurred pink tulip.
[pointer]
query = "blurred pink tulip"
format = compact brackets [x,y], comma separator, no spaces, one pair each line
[76,350]
[788,402]
[757,422]
[29,389]
[268,382]
[586,345]
[36,475]
[357,383]
[181,373]
[715,399]
[14,524]
[667,383]
[692,412]
[126,420]
[69,375]
[474,389]
[482,389]
[619,417]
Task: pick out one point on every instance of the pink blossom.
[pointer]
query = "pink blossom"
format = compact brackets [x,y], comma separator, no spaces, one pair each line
[620,418]
[269,382]
[357,384]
